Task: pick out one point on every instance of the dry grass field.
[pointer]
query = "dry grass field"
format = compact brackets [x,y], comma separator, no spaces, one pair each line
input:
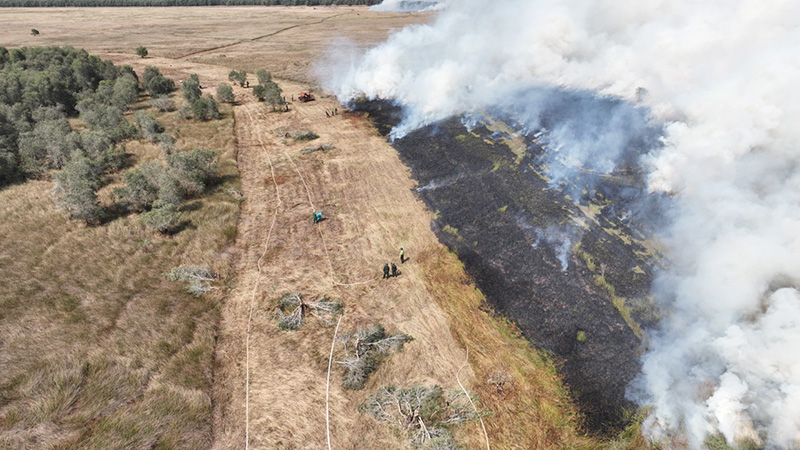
[285,40]
[97,348]
[85,310]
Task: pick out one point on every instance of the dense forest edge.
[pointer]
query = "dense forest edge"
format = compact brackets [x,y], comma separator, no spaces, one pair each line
[84,3]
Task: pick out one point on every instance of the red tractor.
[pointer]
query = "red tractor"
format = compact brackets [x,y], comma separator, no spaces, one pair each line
[306,97]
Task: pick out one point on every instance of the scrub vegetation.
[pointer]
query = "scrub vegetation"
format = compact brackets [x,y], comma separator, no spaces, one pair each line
[99,348]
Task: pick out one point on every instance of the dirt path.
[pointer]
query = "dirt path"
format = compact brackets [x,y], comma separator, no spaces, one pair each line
[364,192]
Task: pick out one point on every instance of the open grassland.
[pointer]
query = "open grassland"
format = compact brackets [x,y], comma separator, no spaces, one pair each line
[97,348]
[287,41]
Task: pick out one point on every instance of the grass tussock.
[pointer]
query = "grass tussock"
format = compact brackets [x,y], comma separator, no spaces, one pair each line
[99,350]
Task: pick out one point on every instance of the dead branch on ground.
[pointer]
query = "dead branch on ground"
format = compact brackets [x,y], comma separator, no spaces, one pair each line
[364,349]
[197,278]
[425,412]
[292,310]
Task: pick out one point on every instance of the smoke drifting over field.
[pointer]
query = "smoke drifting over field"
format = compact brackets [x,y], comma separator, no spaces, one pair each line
[410,5]
[711,89]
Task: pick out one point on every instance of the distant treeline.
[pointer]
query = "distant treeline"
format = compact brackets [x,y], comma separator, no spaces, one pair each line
[46,3]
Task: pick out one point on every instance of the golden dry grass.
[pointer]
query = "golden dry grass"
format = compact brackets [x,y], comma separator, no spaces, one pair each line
[98,350]
[286,40]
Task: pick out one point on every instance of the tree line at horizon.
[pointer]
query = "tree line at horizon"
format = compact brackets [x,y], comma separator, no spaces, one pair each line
[123,3]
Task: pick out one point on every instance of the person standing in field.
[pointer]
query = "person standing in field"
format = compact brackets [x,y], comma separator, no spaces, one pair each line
[386,271]
[402,255]
[394,270]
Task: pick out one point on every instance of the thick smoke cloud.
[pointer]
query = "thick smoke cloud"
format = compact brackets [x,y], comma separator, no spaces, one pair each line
[721,82]
[410,5]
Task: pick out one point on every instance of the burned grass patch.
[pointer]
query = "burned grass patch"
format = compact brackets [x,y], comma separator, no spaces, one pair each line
[517,236]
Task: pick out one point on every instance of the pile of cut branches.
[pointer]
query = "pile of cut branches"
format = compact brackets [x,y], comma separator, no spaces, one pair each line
[425,412]
[292,310]
[197,278]
[364,350]
[318,148]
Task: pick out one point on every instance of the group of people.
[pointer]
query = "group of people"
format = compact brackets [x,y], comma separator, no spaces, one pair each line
[387,269]
[334,112]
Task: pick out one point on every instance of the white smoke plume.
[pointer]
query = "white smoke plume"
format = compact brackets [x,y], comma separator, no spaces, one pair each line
[558,238]
[410,5]
[721,79]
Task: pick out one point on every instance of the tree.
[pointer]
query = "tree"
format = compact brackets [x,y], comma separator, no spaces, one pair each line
[156,83]
[263,76]
[75,189]
[106,117]
[9,165]
[170,190]
[260,92]
[204,108]
[34,32]
[40,87]
[160,86]
[191,88]
[194,169]
[99,147]
[163,217]
[47,146]
[197,278]
[142,186]
[162,103]
[150,72]
[148,126]
[273,95]
[225,93]
[166,142]
[141,51]
[426,413]
[238,76]
[292,310]
[125,91]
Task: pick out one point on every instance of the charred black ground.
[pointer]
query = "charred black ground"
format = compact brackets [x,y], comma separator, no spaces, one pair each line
[554,267]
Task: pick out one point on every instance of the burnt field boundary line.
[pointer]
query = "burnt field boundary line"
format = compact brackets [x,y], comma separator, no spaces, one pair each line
[220,47]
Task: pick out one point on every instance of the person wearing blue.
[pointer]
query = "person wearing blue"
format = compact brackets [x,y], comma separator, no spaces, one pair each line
[317,216]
